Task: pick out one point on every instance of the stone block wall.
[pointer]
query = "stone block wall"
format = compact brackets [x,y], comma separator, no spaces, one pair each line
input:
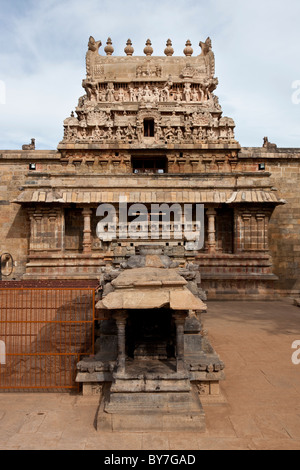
[284,233]
[14,223]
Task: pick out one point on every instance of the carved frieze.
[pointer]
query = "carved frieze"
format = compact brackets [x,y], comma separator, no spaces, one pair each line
[119,101]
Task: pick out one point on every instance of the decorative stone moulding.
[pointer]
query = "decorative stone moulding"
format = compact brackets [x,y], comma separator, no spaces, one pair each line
[169,51]
[109,48]
[188,50]
[148,49]
[129,49]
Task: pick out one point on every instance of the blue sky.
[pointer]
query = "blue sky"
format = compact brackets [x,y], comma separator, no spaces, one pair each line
[43,45]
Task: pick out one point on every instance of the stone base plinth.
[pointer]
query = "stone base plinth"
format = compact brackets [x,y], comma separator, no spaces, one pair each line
[153,411]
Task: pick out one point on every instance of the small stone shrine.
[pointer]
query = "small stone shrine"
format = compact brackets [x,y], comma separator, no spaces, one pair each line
[153,359]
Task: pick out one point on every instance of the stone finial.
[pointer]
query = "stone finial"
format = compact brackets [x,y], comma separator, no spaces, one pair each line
[169,51]
[109,48]
[148,49]
[129,49]
[188,50]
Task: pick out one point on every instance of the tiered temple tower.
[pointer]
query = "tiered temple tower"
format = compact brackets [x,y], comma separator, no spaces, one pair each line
[150,130]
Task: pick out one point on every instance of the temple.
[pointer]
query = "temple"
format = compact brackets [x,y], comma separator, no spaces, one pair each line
[150,130]
[150,197]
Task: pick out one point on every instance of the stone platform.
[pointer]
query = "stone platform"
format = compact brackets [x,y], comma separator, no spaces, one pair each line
[261,410]
[150,412]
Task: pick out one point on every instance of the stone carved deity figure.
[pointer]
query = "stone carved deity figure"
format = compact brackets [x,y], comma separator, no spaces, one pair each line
[140,93]
[158,134]
[97,134]
[121,95]
[187,92]
[195,134]
[202,134]
[156,94]
[179,134]
[129,132]
[110,95]
[166,93]
[148,95]
[169,133]
[83,133]
[109,134]
[194,95]
[132,94]
[118,134]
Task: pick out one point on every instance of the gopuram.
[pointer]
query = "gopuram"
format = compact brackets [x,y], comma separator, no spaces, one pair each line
[150,130]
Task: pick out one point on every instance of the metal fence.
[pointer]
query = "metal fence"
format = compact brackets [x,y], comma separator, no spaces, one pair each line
[43,334]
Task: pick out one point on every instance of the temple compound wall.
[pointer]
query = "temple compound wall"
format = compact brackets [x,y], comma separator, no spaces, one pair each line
[150,130]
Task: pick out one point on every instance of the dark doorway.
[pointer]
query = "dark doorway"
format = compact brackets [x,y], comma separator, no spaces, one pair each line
[150,334]
[149,165]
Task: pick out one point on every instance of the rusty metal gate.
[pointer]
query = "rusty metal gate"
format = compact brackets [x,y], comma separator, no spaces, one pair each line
[43,334]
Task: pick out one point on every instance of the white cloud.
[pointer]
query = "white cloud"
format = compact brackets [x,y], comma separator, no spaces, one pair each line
[43,59]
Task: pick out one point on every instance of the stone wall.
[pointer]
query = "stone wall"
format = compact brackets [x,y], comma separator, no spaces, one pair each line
[283,164]
[284,233]
[14,226]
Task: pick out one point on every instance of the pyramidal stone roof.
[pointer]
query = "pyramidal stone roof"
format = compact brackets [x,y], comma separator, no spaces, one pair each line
[176,93]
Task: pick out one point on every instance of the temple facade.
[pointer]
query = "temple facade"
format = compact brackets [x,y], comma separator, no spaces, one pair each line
[149,130]
[150,198]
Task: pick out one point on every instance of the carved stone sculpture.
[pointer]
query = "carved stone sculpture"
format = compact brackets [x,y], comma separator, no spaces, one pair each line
[31,146]
[92,53]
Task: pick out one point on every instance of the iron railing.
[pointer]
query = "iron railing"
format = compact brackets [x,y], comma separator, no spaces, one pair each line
[43,334]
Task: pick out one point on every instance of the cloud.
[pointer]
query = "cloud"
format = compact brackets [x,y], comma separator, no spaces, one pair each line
[43,59]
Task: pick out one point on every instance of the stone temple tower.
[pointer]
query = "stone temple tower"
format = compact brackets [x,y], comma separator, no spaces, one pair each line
[150,131]
[149,193]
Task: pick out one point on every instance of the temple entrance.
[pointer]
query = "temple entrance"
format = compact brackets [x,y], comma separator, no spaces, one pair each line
[150,334]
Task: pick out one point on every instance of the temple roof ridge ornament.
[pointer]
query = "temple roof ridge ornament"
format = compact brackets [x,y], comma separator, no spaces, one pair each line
[129,50]
[169,51]
[188,50]
[148,49]
[109,50]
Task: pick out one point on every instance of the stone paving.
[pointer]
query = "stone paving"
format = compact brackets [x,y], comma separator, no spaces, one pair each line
[261,408]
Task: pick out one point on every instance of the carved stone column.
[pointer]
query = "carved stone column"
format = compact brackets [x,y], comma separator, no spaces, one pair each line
[260,218]
[179,322]
[246,217]
[121,318]
[212,244]
[36,229]
[87,240]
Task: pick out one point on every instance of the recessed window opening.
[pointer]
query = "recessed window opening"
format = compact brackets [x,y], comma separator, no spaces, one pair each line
[148,127]
[149,165]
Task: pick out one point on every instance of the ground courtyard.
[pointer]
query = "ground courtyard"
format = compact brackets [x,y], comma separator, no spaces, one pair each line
[260,408]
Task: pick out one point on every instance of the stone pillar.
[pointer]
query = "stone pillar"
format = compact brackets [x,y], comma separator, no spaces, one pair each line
[246,217]
[260,218]
[121,318]
[212,244]
[179,322]
[87,240]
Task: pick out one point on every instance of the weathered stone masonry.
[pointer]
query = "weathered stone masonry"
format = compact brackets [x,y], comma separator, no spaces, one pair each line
[151,129]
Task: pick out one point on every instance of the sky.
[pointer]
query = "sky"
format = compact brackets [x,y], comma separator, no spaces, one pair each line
[43,45]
